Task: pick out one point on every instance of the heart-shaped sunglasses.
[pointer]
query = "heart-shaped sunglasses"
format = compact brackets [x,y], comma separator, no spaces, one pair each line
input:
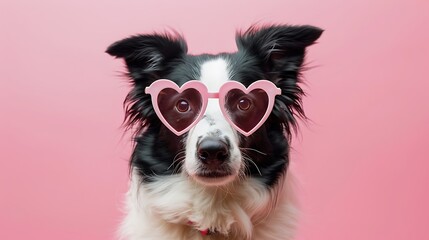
[180,108]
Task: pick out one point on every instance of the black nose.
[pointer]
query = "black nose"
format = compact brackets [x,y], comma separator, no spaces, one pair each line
[212,151]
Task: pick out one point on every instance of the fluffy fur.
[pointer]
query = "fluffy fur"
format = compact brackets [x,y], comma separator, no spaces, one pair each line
[172,194]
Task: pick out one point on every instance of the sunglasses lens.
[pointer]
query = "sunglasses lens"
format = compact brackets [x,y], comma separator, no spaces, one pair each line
[246,110]
[179,109]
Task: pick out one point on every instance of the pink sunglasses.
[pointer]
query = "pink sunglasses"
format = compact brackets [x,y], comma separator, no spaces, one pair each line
[180,108]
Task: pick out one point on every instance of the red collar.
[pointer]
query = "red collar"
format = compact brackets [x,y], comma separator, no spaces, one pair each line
[204,232]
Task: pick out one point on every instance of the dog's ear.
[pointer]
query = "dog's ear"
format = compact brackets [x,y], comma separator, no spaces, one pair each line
[148,58]
[280,51]
[280,48]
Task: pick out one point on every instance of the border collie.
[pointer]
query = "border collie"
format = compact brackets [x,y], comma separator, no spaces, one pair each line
[212,135]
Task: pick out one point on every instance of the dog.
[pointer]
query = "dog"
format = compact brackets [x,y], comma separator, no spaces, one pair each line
[212,135]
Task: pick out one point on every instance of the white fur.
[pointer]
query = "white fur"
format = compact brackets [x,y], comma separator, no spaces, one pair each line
[235,208]
[214,74]
[243,210]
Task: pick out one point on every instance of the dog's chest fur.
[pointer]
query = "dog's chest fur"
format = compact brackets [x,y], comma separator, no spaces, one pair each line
[176,208]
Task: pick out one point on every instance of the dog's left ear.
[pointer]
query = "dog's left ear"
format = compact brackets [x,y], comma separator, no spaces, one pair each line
[280,48]
[279,51]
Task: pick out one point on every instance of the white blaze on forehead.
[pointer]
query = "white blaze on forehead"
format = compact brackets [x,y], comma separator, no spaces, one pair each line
[214,73]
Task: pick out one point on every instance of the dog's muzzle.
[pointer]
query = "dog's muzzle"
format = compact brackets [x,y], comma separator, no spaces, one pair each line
[214,156]
[212,152]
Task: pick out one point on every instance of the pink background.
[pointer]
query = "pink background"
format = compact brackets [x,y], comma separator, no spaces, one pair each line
[362,163]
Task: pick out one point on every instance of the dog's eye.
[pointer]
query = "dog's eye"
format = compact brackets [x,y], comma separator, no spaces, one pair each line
[244,104]
[182,105]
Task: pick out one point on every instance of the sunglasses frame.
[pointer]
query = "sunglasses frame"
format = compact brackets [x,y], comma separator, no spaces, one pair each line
[267,86]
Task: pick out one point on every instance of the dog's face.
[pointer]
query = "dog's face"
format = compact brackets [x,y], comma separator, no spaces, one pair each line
[212,152]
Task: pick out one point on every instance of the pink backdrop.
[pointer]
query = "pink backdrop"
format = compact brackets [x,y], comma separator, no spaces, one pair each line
[362,163]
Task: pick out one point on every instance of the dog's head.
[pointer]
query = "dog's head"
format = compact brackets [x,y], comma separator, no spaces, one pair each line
[212,152]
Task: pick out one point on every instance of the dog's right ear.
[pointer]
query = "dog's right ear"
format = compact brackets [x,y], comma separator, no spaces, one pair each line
[148,57]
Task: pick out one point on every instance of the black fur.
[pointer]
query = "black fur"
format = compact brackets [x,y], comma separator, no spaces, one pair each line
[274,53]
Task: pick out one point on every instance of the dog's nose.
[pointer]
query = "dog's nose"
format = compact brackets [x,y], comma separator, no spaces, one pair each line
[212,151]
